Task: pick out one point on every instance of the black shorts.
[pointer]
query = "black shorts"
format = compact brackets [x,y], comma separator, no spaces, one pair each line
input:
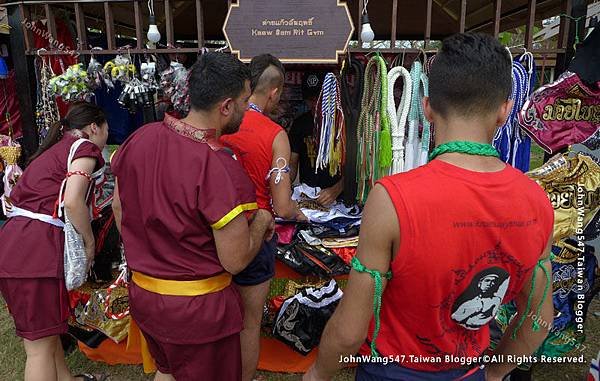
[262,267]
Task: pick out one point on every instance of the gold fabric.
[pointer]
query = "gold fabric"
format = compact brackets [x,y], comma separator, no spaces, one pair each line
[573,186]
[92,314]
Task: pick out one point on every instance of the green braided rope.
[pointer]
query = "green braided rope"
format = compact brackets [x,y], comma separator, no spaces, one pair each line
[471,148]
[376,275]
[535,325]
[385,141]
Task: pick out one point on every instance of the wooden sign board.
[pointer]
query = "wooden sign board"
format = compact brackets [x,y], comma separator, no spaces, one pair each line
[295,31]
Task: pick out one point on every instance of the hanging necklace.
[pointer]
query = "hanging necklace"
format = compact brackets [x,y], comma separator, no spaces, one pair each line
[470,148]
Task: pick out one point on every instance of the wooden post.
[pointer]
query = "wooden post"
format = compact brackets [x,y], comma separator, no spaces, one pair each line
[361,4]
[428,23]
[200,23]
[463,15]
[110,26]
[26,27]
[80,25]
[563,32]
[50,24]
[578,9]
[169,23]
[139,25]
[394,23]
[24,80]
[497,16]
[530,24]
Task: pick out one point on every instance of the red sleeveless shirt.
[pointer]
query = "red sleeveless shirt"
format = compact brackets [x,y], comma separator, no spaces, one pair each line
[253,148]
[468,242]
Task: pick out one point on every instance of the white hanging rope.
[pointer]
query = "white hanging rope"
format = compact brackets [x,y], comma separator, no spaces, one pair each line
[398,115]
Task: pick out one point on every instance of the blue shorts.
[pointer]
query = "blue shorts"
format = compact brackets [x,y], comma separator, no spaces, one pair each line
[394,372]
[262,267]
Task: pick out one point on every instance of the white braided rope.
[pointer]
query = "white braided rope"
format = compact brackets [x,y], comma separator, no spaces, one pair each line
[398,115]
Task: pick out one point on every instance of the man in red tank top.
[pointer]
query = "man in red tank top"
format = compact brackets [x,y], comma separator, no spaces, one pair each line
[263,148]
[444,245]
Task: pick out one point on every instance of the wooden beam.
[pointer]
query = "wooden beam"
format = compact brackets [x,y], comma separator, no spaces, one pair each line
[446,10]
[530,24]
[394,23]
[80,26]
[497,17]
[139,24]
[24,79]
[428,22]
[463,15]
[110,26]
[506,15]
[50,23]
[169,23]
[200,23]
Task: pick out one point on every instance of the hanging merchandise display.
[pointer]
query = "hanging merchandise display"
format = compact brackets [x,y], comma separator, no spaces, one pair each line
[135,94]
[97,76]
[562,113]
[302,318]
[121,68]
[398,115]
[373,133]
[46,110]
[510,140]
[573,186]
[174,83]
[330,128]
[72,85]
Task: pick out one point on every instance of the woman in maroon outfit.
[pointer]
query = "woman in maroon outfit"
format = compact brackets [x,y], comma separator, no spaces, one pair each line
[31,254]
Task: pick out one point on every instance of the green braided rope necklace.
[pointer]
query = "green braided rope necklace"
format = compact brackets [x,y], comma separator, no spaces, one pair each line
[471,148]
[377,276]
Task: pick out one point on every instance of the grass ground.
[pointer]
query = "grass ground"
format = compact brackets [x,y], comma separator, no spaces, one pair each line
[12,358]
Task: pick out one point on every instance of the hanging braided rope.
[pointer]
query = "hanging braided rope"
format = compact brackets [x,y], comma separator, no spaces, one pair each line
[426,137]
[412,142]
[330,126]
[373,133]
[398,115]
[365,133]
[385,134]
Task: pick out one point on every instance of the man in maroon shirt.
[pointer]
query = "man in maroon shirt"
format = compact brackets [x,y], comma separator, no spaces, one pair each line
[180,200]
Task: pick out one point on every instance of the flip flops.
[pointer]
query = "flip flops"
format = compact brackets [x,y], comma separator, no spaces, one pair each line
[91,377]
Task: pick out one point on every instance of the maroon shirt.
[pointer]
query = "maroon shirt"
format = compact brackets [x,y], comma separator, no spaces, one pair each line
[176,185]
[32,248]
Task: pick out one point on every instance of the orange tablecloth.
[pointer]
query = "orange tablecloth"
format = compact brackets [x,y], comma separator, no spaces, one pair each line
[274,355]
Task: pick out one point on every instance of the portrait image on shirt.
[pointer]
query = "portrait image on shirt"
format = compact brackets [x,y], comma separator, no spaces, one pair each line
[479,303]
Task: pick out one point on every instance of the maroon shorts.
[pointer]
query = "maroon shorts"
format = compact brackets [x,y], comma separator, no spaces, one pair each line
[39,306]
[219,360]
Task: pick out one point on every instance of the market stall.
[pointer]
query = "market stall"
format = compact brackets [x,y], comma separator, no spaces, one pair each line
[369,124]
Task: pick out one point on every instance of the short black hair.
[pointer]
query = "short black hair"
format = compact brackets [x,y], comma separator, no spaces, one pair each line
[471,74]
[259,64]
[214,77]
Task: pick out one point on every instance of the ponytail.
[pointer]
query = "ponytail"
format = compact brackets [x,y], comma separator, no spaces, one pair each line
[80,115]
